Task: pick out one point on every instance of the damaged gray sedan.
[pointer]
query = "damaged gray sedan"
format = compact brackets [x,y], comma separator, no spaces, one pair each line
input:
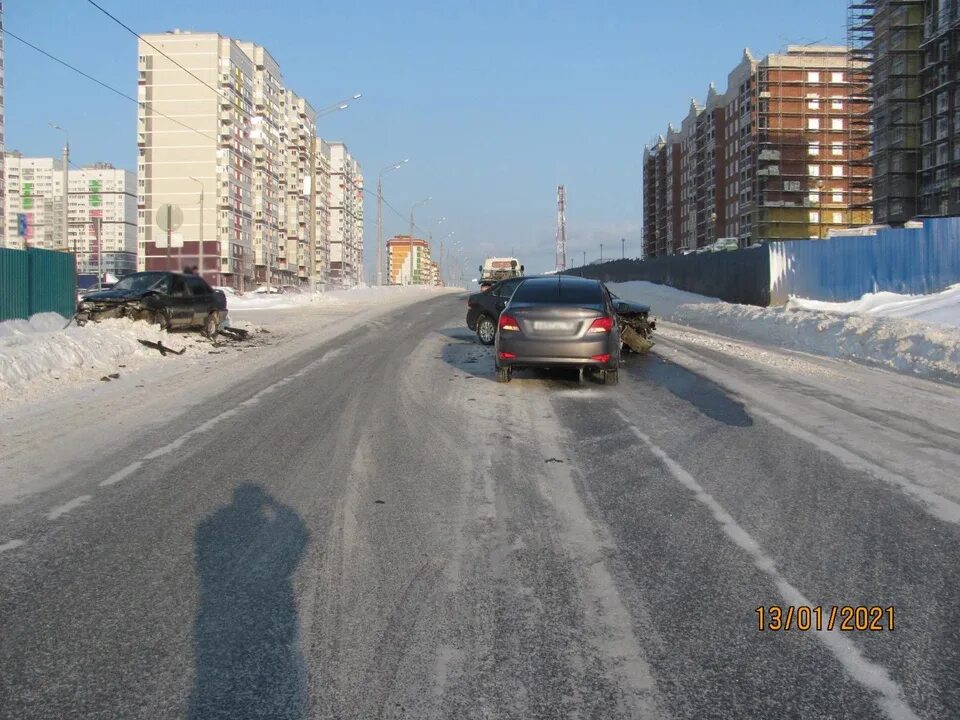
[169,299]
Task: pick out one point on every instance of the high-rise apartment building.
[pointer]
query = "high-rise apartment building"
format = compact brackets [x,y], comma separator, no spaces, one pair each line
[297,250]
[267,128]
[400,269]
[34,189]
[781,154]
[885,36]
[322,228]
[346,217]
[195,138]
[100,195]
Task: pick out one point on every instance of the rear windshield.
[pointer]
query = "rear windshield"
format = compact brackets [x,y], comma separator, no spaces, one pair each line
[578,293]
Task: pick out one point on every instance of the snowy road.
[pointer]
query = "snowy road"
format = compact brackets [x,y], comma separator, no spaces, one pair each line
[367,526]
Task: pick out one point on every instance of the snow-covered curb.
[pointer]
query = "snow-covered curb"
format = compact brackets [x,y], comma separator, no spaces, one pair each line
[921,348]
[42,350]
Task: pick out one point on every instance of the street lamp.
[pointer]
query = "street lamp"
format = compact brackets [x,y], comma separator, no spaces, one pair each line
[389,168]
[412,208]
[66,188]
[200,257]
[337,106]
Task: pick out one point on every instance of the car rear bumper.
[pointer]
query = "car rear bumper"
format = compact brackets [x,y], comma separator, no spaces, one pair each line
[540,353]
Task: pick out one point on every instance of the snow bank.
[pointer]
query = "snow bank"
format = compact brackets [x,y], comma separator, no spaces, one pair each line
[922,348]
[43,349]
[942,307]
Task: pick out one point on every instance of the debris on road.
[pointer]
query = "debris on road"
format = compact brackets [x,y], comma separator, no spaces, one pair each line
[158,345]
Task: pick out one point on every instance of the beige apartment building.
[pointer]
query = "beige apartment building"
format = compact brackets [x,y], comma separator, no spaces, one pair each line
[346,217]
[225,141]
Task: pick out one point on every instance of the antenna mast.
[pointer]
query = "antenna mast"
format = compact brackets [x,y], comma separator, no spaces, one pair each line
[561,229]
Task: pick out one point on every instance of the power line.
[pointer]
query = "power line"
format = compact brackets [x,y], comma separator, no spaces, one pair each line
[340,105]
[105,85]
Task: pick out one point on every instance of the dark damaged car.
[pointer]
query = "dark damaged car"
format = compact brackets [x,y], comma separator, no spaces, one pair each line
[169,299]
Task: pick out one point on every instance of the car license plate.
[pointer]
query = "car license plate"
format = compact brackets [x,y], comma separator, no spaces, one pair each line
[551,325]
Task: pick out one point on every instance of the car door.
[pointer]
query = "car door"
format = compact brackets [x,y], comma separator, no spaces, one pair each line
[181,314]
[201,299]
[502,294]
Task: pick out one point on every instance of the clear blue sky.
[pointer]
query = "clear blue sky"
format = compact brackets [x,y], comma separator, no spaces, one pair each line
[494,102]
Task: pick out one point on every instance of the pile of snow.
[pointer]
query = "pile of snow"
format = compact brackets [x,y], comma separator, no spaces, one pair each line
[43,348]
[942,307]
[922,348]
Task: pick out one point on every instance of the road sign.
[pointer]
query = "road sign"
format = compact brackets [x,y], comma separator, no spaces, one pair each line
[169,217]
[22,224]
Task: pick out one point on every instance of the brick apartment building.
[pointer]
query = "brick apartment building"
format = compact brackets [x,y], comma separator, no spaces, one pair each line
[783,153]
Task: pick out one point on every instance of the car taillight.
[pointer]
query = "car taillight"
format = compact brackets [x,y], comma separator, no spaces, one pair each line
[508,322]
[605,358]
[601,325]
[506,356]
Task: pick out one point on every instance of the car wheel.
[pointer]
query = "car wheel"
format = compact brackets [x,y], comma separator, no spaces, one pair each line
[486,330]
[162,319]
[503,374]
[611,377]
[211,326]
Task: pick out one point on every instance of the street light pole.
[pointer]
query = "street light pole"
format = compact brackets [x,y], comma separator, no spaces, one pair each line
[623,246]
[200,256]
[601,253]
[389,168]
[412,208]
[66,189]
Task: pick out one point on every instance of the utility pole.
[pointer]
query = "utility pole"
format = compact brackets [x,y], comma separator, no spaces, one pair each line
[201,233]
[98,234]
[380,229]
[623,245]
[66,189]
[169,234]
[601,252]
[561,229]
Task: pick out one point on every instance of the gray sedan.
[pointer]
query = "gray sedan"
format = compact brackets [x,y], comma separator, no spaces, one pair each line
[559,321]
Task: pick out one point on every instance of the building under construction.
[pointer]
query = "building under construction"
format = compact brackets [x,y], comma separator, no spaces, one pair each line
[783,153]
[885,37]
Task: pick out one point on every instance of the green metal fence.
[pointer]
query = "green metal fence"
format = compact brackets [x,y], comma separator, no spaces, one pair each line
[34,281]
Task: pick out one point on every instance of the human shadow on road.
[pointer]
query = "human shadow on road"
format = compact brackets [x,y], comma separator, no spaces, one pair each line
[246,637]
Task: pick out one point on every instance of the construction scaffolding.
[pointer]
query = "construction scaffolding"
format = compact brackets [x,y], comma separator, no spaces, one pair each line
[885,38]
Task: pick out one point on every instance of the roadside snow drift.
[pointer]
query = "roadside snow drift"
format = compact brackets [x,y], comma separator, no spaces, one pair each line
[928,349]
[42,349]
[942,307]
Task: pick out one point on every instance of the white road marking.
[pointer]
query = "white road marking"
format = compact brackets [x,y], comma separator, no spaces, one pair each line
[67,507]
[12,545]
[249,402]
[122,474]
[940,507]
[870,675]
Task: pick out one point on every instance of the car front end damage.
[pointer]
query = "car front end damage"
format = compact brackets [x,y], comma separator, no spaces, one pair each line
[636,328]
[133,308]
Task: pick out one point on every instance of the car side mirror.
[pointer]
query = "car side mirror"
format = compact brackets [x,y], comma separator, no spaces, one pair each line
[521,268]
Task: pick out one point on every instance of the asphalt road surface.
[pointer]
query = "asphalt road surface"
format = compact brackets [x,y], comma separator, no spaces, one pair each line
[374,528]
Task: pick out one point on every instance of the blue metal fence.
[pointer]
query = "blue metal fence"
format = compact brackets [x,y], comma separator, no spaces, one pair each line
[912,261]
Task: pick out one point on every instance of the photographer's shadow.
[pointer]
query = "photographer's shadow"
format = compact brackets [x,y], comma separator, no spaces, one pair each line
[248,658]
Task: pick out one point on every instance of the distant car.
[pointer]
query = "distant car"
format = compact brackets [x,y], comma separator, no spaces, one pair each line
[267,290]
[483,308]
[226,289]
[559,322]
[172,300]
[291,289]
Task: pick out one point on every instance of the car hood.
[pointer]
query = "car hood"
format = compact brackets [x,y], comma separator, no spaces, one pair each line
[114,295]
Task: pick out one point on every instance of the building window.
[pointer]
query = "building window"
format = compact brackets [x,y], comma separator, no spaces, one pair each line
[813,170]
[813,101]
[813,197]
[813,123]
[814,216]
[836,148]
[836,77]
[814,148]
[838,218]
[813,77]
[838,170]
[836,124]
[837,195]
[836,103]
